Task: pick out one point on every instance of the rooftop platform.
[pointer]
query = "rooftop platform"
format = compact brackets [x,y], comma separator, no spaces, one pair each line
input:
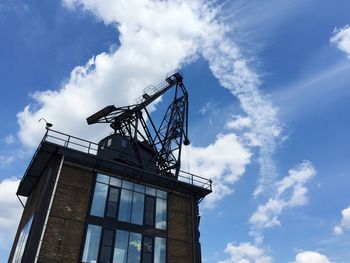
[83,152]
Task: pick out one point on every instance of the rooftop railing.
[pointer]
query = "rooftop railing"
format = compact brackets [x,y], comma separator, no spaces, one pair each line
[72,142]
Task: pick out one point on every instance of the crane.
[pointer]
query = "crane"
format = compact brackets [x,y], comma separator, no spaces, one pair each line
[149,146]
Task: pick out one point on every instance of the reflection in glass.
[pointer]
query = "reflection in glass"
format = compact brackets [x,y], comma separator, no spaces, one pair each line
[159,250]
[137,208]
[150,191]
[139,188]
[128,185]
[115,181]
[121,247]
[22,240]
[106,247]
[125,205]
[161,214]
[147,249]
[134,248]
[92,242]
[99,201]
[112,204]
[161,194]
[102,178]
[149,210]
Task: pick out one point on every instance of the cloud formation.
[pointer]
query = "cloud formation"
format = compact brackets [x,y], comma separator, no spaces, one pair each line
[223,161]
[311,257]
[246,253]
[344,223]
[290,192]
[341,39]
[155,37]
[232,70]
[10,211]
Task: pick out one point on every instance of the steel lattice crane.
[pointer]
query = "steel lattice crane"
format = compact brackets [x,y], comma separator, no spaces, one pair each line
[144,144]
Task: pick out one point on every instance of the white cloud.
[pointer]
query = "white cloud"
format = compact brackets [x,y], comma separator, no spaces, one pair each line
[344,223]
[238,122]
[246,253]
[10,211]
[228,65]
[155,37]
[341,38]
[311,257]
[290,192]
[223,161]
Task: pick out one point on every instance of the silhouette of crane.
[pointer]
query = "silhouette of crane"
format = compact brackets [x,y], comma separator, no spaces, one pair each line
[144,142]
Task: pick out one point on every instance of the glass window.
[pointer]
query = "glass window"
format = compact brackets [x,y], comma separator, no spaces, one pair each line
[125,205]
[137,208]
[150,191]
[139,188]
[112,204]
[22,240]
[106,247]
[92,243]
[102,178]
[121,246]
[99,201]
[115,181]
[147,249]
[161,213]
[159,250]
[134,251]
[149,210]
[161,194]
[128,185]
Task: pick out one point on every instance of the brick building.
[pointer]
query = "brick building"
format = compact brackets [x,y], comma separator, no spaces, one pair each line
[84,207]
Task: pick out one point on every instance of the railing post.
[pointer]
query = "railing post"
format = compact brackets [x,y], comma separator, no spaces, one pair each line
[89,147]
[67,142]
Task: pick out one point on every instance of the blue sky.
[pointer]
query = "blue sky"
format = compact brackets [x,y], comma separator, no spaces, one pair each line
[269,115]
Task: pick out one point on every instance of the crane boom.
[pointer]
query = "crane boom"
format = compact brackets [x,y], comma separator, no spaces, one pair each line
[167,139]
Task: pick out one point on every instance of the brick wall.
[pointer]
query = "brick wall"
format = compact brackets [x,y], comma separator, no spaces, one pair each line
[180,225]
[64,232]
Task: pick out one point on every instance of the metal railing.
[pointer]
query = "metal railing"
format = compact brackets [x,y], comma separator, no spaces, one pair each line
[72,142]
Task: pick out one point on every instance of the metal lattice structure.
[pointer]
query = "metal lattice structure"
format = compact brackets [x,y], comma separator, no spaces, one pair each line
[167,139]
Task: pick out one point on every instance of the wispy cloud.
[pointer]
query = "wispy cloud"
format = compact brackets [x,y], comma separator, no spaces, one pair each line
[9,139]
[290,192]
[246,253]
[344,223]
[232,71]
[6,160]
[209,107]
[341,39]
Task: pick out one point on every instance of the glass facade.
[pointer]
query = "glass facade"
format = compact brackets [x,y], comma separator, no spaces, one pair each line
[22,241]
[127,223]
[92,243]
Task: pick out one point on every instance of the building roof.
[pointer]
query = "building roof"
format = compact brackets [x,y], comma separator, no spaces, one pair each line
[83,152]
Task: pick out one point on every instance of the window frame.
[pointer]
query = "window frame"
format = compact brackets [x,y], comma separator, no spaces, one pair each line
[114,224]
[107,201]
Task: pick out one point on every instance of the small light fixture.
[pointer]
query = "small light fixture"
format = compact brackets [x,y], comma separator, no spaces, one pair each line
[48,124]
